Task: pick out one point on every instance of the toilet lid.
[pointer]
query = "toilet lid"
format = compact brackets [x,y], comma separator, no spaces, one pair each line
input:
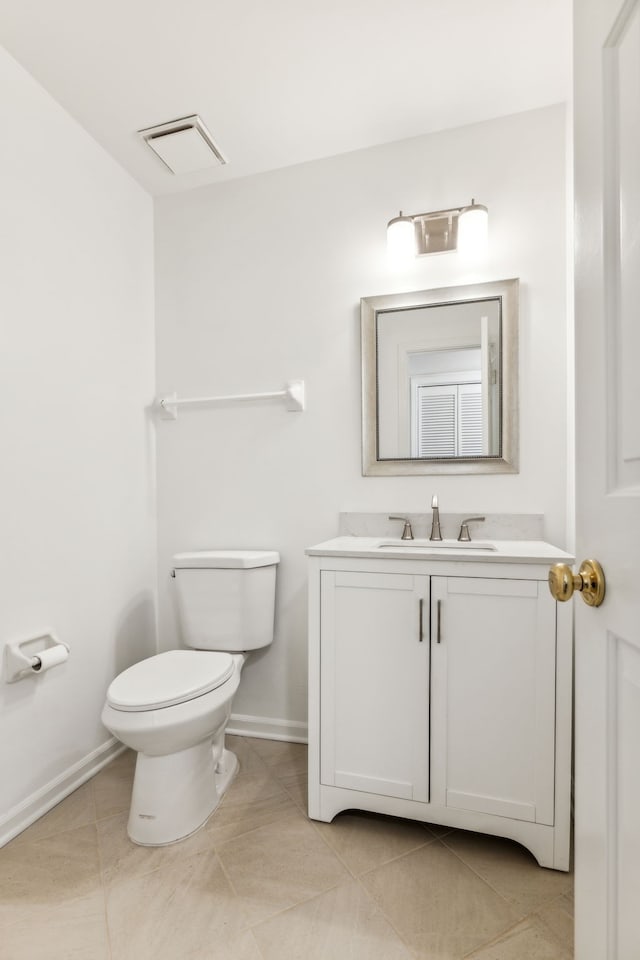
[169,678]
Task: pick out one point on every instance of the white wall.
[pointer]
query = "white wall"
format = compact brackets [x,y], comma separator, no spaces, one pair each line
[77,514]
[259,281]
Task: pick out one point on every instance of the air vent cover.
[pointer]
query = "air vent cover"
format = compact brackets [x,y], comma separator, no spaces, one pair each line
[183,145]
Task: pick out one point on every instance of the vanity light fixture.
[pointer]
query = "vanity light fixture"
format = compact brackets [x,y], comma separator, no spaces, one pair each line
[459,228]
[401,237]
[473,229]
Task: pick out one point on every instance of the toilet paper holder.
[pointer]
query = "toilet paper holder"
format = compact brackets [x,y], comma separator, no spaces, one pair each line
[35,655]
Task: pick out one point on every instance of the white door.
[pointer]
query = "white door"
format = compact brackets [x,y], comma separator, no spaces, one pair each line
[607,309]
[493,662]
[374,683]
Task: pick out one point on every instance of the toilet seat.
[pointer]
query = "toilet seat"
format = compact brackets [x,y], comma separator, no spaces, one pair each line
[169,678]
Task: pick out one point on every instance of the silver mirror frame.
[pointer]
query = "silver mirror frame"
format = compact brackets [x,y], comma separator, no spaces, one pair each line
[507,462]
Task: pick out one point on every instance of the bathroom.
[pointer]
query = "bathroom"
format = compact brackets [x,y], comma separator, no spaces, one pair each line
[113,297]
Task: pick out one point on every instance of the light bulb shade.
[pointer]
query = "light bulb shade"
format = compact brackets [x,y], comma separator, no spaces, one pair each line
[401,238]
[473,230]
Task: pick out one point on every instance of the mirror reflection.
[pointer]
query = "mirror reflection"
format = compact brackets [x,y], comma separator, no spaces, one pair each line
[439,371]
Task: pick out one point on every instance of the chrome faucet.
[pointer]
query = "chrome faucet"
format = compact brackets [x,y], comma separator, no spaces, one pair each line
[435,523]
[464,534]
[407,532]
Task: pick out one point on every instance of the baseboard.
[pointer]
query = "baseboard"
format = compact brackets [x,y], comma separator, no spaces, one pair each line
[43,800]
[267,728]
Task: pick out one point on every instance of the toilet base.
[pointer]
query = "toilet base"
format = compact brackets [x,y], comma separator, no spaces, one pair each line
[174,795]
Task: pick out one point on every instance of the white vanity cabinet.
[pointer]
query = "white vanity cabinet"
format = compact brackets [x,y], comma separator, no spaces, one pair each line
[440,690]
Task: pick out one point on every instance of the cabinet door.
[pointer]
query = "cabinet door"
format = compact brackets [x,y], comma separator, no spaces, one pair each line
[493,674]
[374,683]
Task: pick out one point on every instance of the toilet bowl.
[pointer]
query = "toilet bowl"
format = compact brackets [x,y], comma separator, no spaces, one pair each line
[173,708]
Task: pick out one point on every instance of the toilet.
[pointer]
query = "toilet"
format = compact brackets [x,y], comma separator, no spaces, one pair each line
[173,708]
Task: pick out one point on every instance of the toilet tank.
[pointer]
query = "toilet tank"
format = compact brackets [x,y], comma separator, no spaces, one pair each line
[226,598]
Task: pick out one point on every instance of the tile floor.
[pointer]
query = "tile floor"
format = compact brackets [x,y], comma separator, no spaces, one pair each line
[262,882]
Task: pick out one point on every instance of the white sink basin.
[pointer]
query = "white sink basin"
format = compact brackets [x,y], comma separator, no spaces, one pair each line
[417,544]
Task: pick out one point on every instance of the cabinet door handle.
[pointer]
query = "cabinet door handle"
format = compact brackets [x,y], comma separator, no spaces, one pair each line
[420,606]
[438,620]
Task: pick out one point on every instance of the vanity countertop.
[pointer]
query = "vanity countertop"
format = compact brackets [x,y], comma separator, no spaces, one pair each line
[485,551]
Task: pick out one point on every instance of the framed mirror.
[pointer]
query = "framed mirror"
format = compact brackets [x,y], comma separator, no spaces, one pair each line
[440,381]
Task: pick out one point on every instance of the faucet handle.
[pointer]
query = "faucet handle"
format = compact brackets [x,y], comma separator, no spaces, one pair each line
[407,533]
[464,534]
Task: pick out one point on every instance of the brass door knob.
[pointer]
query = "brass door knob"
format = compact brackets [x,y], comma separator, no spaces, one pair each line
[589,581]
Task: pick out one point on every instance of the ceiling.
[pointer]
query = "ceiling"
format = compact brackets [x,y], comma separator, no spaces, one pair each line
[279,82]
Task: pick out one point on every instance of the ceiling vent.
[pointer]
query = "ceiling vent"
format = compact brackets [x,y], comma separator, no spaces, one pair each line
[183,145]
